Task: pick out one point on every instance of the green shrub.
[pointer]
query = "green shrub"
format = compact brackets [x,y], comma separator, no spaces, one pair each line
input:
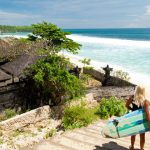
[55,38]
[9,113]
[111,107]
[89,67]
[78,116]
[1,141]
[121,74]
[50,133]
[85,77]
[2,117]
[86,61]
[51,80]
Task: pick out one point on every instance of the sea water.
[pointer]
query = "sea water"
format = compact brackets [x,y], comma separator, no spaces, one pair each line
[125,49]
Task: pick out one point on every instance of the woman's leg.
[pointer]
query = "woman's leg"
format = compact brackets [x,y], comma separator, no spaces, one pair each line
[132,142]
[142,140]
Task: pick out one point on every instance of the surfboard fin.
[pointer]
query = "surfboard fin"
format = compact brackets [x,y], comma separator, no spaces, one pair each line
[116,122]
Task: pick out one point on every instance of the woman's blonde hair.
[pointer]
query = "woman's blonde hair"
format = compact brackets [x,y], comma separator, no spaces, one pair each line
[139,95]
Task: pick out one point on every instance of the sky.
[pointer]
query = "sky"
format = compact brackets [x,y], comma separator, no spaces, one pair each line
[77,13]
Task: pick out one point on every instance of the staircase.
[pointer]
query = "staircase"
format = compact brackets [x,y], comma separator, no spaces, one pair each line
[88,138]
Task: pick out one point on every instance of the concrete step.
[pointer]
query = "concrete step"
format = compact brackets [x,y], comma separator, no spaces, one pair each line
[93,140]
[49,145]
[88,138]
[73,143]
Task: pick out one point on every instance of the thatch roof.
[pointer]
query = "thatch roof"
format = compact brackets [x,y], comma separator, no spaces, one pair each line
[7,41]
[16,67]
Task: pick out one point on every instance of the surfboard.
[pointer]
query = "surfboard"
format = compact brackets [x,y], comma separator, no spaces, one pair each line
[130,124]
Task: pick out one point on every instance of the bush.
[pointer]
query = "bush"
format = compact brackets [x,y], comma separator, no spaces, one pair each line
[89,67]
[9,113]
[50,133]
[78,116]
[121,74]
[55,38]
[111,107]
[86,61]
[52,81]
[85,77]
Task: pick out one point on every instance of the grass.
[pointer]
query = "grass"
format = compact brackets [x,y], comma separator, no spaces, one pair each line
[1,141]
[78,116]
[111,107]
[8,113]
[39,129]
[50,133]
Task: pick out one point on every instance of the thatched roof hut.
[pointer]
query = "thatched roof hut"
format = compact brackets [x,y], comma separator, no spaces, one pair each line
[16,67]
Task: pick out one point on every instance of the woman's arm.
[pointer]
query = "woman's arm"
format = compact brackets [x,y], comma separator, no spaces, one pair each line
[146,109]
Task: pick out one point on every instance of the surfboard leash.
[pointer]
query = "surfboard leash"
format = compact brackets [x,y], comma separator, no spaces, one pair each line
[116,122]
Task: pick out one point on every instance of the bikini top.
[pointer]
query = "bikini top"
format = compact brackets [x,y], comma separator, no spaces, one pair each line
[133,106]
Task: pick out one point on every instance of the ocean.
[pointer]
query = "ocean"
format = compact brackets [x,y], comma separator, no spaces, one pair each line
[125,49]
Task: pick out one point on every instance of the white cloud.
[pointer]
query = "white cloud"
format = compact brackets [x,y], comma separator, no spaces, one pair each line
[12,15]
[17,18]
[147,11]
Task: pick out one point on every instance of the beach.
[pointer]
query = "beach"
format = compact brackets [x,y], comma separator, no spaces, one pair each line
[134,78]
[127,50]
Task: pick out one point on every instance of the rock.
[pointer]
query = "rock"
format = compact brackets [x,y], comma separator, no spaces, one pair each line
[26,119]
[109,91]
[89,97]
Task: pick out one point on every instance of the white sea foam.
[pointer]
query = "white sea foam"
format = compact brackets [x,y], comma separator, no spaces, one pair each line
[15,36]
[136,78]
[110,41]
[111,46]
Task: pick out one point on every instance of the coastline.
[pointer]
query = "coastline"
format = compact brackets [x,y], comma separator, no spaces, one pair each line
[135,78]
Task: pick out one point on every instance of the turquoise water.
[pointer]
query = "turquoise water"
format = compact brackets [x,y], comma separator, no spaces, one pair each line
[122,48]
[122,33]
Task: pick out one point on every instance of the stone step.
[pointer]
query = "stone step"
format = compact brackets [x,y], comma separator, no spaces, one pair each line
[88,138]
[73,143]
[49,145]
[93,140]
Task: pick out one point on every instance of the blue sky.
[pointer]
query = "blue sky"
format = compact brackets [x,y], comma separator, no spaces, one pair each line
[77,13]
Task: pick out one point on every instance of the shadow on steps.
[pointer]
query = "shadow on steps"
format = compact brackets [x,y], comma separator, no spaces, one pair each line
[111,146]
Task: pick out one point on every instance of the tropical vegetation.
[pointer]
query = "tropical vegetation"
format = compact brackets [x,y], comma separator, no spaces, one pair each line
[112,106]
[8,28]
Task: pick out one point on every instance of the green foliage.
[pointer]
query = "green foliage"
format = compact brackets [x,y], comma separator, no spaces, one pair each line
[54,37]
[1,141]
[85,77]
[1,133]
[111,107]
[39,129]
[6,28]
[86,61]
[10,113]
[17,132]
[53,80]
[50,133]
[78,116]
[121,74]
[2,117]
[89,67]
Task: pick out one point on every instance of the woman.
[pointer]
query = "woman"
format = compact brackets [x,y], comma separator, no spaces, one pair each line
[136,102]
